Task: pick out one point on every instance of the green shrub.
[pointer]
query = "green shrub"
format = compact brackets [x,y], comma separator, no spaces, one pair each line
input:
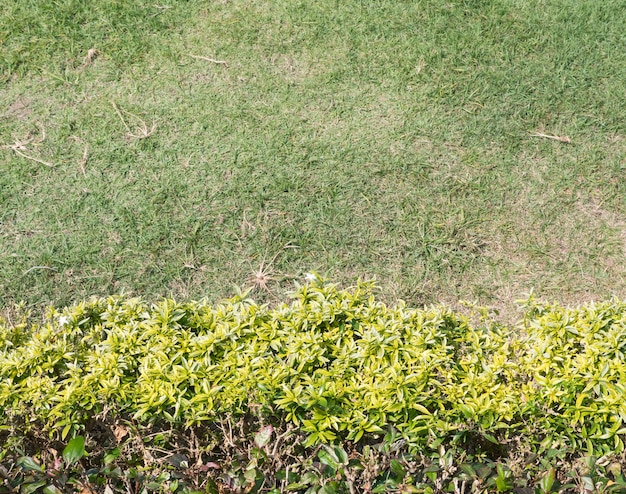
[336,373]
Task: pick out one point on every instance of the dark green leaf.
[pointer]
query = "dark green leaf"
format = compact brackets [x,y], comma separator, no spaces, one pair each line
[32,487]
[330,488]
[111,456]
[27,463]
[467,468]
[491,438]
[397,469]
[341,455]
[547,481]
[483,471]
[309,478]
[74,450]
[250,475]
[178,460]
[327,457]
[52,489]
[211,486]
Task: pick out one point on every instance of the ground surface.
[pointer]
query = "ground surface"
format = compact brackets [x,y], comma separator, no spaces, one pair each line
[453,150]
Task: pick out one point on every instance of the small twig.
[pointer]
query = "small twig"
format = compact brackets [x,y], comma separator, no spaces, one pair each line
[17,151]
[212,60]
[228,436]
[43,133]
[278,440]
[38,267]
[119,114]
[564,139]
[83,160]
[161,9]
[142,132]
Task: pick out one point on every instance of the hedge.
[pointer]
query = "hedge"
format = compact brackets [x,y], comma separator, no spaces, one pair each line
[334,368]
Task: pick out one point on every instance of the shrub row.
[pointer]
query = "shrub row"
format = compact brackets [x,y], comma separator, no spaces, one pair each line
[332,367]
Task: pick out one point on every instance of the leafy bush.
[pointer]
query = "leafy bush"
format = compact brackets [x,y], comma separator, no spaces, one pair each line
[332,392]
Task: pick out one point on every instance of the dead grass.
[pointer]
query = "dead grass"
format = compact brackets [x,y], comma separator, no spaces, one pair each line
[27,147]
[141,130]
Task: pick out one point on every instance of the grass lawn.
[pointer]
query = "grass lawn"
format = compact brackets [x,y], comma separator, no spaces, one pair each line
[453,150]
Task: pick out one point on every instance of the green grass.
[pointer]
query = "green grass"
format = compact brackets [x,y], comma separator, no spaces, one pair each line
[358,138]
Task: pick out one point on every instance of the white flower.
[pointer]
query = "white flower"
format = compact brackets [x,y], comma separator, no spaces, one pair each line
[63,320]
[310,277]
